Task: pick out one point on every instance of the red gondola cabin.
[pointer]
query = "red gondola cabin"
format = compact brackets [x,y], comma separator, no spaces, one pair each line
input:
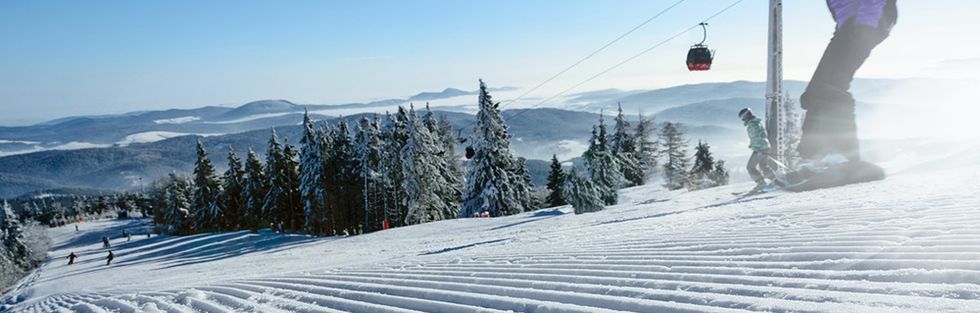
[699,58]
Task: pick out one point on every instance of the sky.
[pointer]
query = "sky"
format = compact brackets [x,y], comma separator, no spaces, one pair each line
[61,58]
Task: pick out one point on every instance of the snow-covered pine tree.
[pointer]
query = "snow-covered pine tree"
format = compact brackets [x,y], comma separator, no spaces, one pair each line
[273,204]
[792,132]
[368,147]
[232,203]
[556,181]
[701,175]
[293,211]
[345,187]
[331,174]
[178,216]
[207,187]
[394,136]
[582,193]
[450,145]
[673,150]
[524,186]
[623,146]
[254,191]
[646,146]
[450,167]
[311,191]
[720,173]
[13,237]
[489,183]
[423,180]
[13,250]
[604,167]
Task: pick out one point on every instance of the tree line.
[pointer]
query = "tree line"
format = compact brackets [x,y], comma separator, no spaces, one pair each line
[627,158]
[345,179]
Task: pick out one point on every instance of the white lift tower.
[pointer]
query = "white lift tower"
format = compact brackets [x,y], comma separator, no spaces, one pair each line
[775,100]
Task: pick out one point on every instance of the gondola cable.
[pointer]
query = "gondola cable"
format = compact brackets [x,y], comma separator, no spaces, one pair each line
[627,60]
[590,55]
[469,149]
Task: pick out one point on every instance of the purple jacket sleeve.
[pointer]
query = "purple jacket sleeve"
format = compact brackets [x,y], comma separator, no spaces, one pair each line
[865,12]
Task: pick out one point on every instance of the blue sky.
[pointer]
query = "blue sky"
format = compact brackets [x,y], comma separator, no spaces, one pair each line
[63,58]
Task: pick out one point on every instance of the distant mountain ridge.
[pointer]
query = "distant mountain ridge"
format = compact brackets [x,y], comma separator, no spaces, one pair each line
[120,167]
[113,151]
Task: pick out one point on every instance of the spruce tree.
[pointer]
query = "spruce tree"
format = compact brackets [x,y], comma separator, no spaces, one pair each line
[311,191]
[701,175]
[582,193]
[646,146]
[273,204]
[792,133]
[604,168]
[207,188]
[368,147]
[394,137]
[524,186]
[178,215]
[291,200]
[13,236]
[673,152]
[720,173]
[489,184]
[450,167]
[423,179]
[254,191]
[327,175]
[625,149]
[556,181]
[343,192]
[232,204]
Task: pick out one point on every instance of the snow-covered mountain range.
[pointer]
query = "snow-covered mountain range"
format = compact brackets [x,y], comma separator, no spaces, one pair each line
[113,152]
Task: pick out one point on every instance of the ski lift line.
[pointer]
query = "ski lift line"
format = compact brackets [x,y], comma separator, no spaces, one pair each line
[507,102]
[627,60]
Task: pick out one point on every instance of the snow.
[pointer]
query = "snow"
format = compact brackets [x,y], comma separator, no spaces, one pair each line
[253,117]
[154,136]
[177,120]
[5,141]
[905,244]
[74,145]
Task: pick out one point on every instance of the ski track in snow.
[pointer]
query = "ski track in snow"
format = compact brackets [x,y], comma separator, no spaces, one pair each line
[906,244]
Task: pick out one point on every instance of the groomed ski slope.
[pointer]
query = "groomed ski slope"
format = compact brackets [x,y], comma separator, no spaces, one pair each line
[910,243]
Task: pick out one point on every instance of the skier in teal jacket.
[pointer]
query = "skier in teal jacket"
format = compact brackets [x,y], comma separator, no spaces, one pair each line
[760,164]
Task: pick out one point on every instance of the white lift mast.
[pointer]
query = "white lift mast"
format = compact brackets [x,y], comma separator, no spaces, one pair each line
[775,100]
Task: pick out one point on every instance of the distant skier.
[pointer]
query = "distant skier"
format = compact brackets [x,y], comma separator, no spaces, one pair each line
[71,258]
[760,164]
[108,259]
[105,242]
[76,227]
[829,128]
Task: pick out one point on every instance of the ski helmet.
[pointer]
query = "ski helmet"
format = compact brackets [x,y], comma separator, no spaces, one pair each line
[745,113]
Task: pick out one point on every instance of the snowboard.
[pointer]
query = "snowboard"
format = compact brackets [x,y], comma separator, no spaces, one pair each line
[846,173]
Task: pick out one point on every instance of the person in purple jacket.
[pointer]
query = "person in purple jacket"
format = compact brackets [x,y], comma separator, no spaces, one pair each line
[829,127]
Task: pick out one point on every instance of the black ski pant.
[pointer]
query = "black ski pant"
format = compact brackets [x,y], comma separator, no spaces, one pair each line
[829,124]
[760,167]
